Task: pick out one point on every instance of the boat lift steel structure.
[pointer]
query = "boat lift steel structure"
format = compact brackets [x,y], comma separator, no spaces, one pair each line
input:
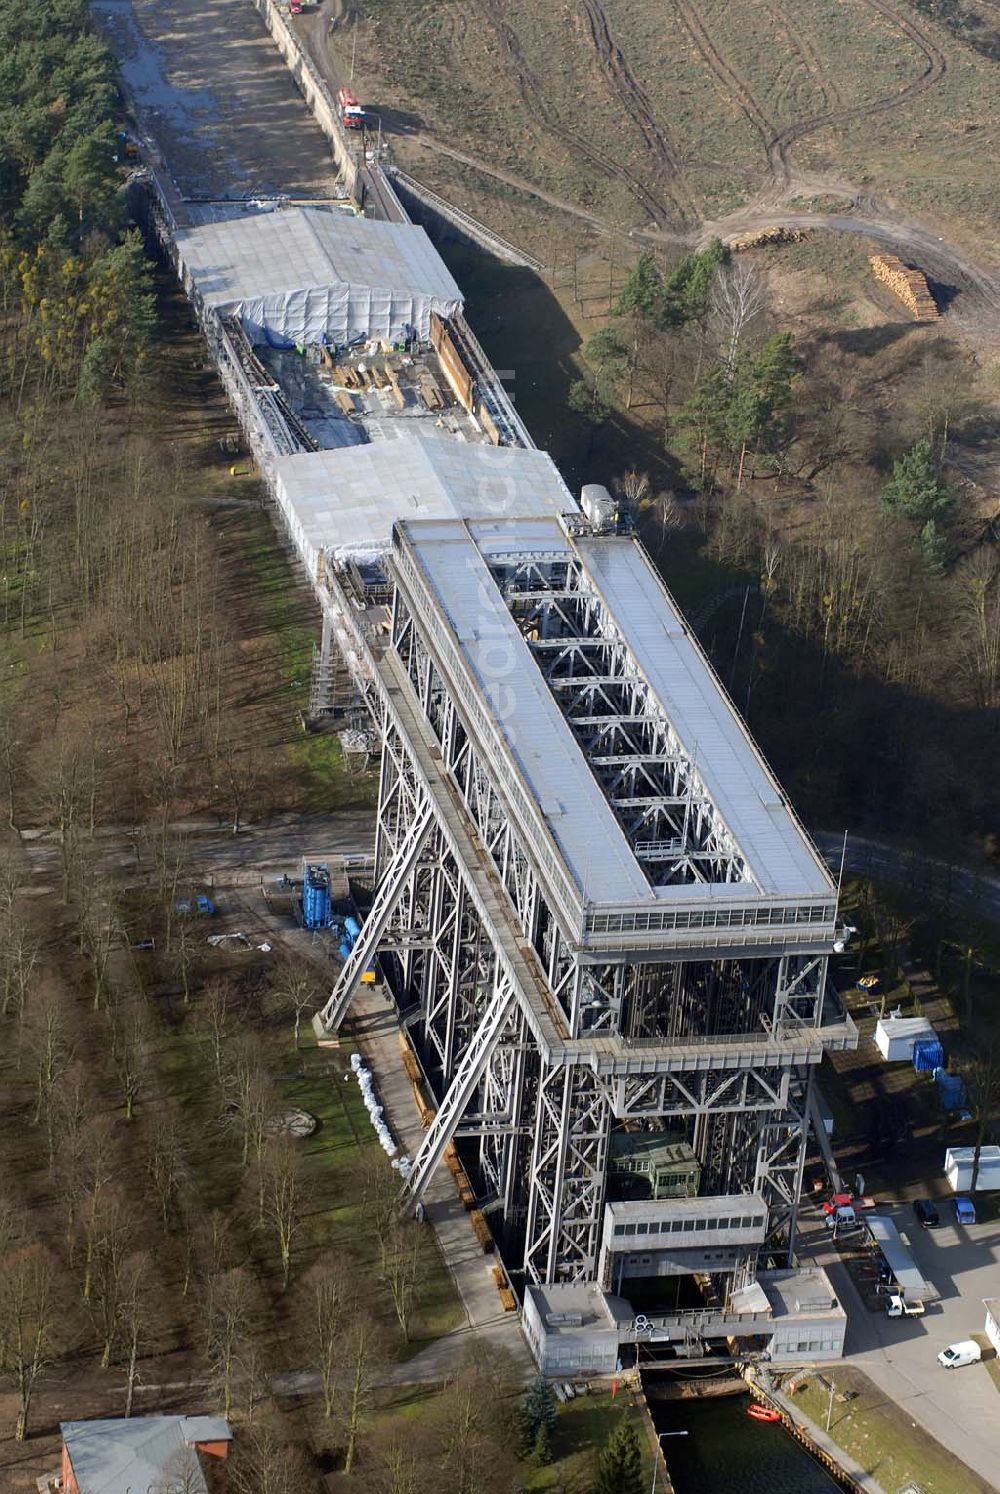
[535,1030]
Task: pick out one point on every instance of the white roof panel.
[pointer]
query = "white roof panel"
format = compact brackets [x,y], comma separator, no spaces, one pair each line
[572,804]
[749,799]
[345,501]
[558,776]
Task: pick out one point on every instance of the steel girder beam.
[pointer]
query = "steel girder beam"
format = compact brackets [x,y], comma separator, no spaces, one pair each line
[502,1001]
[568,1175]
[698,1093]
[597,684]
[503,1095]
[798,1001]
[386,898]
[780,1163]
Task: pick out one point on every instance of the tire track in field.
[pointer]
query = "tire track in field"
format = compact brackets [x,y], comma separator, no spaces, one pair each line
[737,89]
[636,103]
[777,142]
[535,98]
[802,43]
[935,67]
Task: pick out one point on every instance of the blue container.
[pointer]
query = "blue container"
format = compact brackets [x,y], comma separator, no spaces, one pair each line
[316,896]
[951,1089]
[345,949]
[928,1055]
[352,927]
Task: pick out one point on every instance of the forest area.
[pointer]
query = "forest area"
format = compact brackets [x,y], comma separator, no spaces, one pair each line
[821,501]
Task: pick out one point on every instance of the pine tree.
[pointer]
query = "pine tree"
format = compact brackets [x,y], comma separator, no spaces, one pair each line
[619,1469]
[542,1451]
[642,293]
[916,490]
[537,1416]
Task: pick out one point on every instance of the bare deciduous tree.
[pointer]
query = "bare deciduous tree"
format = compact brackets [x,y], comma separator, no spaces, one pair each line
[324,1303]
[404,1270]
[217,1021]
[281,1202]
[737,299]
[249,1095]
[136,1310]
[359,1361]
[100,929]
[47,1041]
[18,961]
[130,1046]
[227,1326]
[263,1463]
[110,1230]
[295,987]
[29,1317]
[182,1474]
[167,1170]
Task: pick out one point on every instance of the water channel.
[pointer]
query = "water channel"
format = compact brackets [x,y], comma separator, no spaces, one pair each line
[726,1452]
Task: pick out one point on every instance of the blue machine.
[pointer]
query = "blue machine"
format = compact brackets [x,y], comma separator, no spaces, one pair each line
[316,896]
[928,1055]
[352,927]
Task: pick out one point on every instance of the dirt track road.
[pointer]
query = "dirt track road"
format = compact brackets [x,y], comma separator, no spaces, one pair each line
[658,187]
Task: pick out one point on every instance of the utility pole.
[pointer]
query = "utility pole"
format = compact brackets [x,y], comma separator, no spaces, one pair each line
[354,51]
[829,1404]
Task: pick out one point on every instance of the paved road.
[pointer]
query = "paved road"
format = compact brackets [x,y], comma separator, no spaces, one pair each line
[211,850]
[964,887]
[960,1408]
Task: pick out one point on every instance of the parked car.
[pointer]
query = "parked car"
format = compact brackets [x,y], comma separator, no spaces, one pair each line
[898,1307]
[926,1213]
[205,905]
[965,1210]
[965,1352]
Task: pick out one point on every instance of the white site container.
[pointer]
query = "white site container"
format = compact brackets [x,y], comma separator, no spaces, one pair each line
[895,1036]
[958,1168]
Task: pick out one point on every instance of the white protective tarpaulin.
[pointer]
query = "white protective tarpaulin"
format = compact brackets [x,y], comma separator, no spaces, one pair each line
[344,502]
[310,275]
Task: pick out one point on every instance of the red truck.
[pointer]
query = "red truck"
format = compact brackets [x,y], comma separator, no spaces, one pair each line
[351,113]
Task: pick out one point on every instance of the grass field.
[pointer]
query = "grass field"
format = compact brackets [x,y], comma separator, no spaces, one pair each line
[584,1426]
[883,1439]
[526,87]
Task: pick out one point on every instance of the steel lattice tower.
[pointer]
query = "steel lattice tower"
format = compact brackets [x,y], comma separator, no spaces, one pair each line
[592,904]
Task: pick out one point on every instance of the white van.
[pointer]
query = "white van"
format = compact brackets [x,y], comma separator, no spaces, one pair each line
[842,1218]
[966,1352]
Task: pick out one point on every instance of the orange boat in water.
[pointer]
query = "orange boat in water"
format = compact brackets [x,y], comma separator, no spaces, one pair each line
[763,1413]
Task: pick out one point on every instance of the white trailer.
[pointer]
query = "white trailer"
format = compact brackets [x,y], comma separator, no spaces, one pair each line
[895,1037]
[958,1168]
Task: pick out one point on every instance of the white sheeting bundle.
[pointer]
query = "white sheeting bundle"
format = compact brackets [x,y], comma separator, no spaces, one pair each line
[367,1082]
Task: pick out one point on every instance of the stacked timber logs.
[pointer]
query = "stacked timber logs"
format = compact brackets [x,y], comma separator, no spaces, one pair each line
[462,1184]
[507,1299]
[775,234]
[482,1231]
[908,284]
[415,1077]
